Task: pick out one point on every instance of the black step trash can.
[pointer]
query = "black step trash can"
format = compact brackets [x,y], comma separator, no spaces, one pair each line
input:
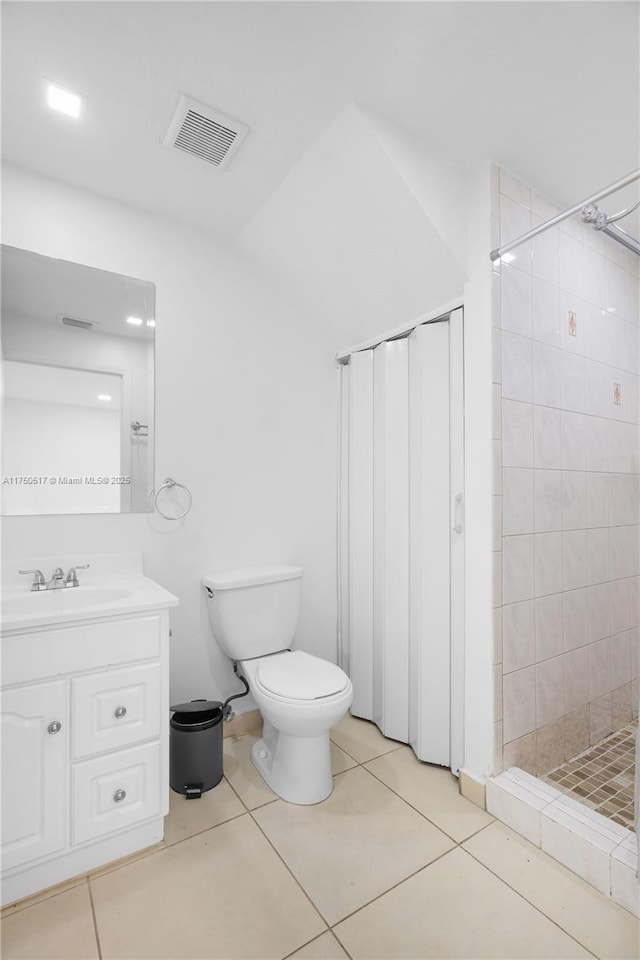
[196,747]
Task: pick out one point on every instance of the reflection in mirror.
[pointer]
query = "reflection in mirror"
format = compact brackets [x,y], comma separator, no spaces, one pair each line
[78,388]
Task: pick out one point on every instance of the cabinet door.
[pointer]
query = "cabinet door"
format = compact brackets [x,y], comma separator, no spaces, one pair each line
[34,772]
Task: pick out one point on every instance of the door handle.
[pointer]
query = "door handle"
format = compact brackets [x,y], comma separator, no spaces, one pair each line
[458,513]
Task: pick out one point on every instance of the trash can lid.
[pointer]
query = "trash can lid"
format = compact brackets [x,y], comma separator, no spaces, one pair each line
[196,706]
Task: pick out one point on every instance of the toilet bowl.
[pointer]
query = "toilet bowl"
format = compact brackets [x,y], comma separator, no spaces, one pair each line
[301,698]
[254,615]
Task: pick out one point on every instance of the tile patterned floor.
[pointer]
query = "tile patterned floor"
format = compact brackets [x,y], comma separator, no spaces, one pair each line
[395,864]
[603,777]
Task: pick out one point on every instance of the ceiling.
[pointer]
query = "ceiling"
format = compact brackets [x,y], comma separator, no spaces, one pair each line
[547,89]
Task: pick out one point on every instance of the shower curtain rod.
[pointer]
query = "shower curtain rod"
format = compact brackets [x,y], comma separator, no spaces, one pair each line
[613,188]
[617,233]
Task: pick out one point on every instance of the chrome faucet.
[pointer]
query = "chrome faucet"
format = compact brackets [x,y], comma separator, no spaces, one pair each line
[57,580]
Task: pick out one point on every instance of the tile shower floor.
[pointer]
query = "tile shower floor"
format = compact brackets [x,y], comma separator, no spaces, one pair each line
[395,864]
[603,777]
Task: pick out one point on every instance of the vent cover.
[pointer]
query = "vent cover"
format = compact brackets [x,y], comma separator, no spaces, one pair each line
[75,322]
[204,133]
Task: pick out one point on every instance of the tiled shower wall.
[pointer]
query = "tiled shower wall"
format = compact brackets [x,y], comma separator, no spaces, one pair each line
[566,484]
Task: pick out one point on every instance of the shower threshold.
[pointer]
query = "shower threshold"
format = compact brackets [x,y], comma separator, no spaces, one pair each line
[603,777]
[600,850]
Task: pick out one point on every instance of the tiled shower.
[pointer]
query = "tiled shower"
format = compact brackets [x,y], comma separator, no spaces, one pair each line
[566,485]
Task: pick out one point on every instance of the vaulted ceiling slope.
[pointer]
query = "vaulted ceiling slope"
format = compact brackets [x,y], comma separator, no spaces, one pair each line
[549,90]
[364,229]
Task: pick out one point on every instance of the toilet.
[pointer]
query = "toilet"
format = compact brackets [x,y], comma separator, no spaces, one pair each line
[254,614]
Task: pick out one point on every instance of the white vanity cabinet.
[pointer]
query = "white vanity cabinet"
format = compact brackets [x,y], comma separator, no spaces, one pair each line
[85,764]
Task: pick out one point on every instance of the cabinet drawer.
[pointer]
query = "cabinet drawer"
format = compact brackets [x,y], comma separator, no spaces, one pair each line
[114,792]
[115,708]
[83,646]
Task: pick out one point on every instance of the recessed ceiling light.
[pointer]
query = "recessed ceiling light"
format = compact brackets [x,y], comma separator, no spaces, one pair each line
[151,323]
[134,321]
[104,396]
[65,101]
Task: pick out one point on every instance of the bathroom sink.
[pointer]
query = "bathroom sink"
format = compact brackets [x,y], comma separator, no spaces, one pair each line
[20,610]
[70,598]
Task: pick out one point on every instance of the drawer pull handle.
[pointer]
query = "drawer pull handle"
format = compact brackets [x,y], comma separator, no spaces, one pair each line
[120,712]
[119,796]
[54,727]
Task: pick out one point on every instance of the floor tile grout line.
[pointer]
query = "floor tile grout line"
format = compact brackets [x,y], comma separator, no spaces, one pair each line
[145,854]
[95,919]
[343,750]
[163,845]
[531,904]
[494,820]
[290,871]
[250,812]
[104,870]
[41,896]
[398,883]
[341,942]
[423,815]
[286,865]
[136,857]
[313,939]
[377,756]
[197,833]
[455,843]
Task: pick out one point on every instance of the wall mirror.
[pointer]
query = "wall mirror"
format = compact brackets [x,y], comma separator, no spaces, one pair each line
[78,388]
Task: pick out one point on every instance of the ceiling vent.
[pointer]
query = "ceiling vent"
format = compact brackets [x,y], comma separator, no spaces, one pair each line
[75,322]
[204,133]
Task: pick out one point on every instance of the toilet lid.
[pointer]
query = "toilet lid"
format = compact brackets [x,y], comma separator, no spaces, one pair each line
[299,676]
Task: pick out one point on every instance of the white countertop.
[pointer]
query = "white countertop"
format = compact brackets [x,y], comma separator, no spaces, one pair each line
[110,598]
[102,592]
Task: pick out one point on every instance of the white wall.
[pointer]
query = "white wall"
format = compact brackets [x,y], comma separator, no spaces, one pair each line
[245,401]
[478,707]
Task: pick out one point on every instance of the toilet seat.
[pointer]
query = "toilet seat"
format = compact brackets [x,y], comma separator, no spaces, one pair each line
[300,677]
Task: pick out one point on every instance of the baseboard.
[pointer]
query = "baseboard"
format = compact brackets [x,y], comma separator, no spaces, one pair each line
[473,788]
[73,863]
[243,723]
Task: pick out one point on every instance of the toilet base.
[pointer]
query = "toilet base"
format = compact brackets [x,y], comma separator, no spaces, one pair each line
[298,769]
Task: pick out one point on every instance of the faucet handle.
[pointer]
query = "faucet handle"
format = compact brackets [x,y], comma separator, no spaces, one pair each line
[71,580]
[38,578]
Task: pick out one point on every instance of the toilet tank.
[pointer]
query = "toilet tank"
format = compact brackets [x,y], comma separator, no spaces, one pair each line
[254,611]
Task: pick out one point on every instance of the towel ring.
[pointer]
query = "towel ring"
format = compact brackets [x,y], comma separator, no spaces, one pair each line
[167,485]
